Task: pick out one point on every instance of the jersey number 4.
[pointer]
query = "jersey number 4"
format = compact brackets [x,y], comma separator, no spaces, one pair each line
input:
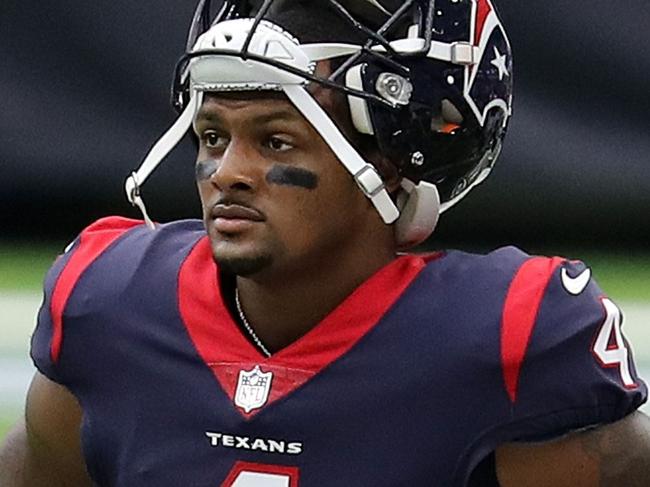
[245,474]
[610,347]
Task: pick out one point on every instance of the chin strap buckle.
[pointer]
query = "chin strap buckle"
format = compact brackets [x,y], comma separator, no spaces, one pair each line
[369,181]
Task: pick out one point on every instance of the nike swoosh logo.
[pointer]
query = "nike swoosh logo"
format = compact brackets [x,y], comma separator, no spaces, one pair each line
[575,285]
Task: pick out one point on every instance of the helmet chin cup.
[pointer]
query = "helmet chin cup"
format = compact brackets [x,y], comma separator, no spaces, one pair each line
[420,209]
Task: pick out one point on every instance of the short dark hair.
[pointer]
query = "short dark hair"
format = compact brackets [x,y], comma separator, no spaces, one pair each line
[313,21]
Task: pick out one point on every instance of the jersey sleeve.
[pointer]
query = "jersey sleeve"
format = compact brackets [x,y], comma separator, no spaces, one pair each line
[561,363]
[48,339]
[566,362]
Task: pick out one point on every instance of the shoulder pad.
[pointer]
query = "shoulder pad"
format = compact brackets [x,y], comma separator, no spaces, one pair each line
[90,244]
[562,346]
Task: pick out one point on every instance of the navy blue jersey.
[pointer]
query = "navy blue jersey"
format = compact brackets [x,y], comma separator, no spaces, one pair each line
[412,381]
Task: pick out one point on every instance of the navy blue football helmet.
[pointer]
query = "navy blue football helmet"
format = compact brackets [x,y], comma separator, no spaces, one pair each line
[429,80]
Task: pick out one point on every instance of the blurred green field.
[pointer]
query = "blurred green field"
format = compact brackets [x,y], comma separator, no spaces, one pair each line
[5,425]
[622,275]
[22,267]
[625,277]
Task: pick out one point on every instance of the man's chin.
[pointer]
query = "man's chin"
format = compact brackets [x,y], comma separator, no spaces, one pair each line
[243,266]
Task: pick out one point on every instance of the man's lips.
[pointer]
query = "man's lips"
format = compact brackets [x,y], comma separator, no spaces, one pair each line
[236,212]
[233,218]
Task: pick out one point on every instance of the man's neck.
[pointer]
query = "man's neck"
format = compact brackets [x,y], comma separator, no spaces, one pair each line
[283,309]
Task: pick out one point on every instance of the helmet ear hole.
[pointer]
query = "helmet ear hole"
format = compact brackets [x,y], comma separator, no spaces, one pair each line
[448,120]
[450,113]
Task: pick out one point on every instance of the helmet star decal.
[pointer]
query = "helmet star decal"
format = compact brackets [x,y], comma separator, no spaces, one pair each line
[499,62]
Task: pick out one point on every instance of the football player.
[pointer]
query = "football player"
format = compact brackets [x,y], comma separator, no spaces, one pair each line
[287,339]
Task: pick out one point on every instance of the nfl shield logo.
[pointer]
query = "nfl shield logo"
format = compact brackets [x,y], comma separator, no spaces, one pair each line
[253,389]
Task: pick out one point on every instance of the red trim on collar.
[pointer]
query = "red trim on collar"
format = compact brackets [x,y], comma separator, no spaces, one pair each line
[520,310]
[93,241]
[227,351]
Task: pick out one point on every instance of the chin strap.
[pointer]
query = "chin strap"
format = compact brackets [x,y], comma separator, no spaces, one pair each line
[157,153]
[365,174]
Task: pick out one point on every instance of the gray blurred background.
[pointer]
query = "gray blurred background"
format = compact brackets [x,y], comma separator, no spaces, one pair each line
[85,89]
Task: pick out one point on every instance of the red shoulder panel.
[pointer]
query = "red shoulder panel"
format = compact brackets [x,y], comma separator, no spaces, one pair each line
[520,313]
[92,242]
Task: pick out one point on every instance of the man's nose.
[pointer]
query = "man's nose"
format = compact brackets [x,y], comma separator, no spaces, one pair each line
[238,168]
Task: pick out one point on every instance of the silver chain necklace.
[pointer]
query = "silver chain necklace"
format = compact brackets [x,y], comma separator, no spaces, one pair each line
[249,328]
